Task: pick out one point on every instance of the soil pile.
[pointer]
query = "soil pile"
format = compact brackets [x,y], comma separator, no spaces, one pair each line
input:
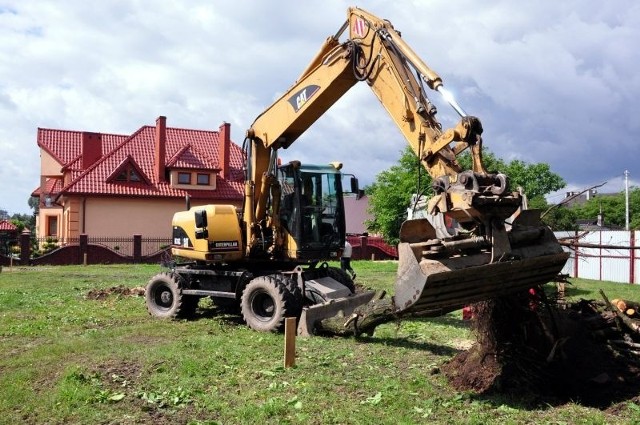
[530,346]
[101,294]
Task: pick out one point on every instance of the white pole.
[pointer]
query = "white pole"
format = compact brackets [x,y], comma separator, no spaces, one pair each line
[626,199]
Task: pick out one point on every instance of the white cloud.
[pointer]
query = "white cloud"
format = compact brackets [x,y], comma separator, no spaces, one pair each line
[552,82]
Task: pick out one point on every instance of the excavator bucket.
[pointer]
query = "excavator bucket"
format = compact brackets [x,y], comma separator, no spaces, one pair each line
[436,277]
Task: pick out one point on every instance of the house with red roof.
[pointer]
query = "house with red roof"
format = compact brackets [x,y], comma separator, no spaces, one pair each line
[119,185]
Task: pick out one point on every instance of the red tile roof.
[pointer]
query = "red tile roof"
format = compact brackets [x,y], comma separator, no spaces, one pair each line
[195,149]
[6,225]
[51,185]
[66,146]
[189,157]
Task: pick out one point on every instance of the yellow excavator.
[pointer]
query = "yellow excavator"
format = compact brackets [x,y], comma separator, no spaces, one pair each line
[270,257]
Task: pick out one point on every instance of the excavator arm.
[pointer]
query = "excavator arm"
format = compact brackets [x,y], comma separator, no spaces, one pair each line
[374,53]
[491,256]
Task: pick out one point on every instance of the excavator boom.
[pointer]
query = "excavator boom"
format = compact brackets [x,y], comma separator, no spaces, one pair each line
[498,249]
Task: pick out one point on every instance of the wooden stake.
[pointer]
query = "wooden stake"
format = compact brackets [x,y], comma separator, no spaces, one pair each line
[289,342]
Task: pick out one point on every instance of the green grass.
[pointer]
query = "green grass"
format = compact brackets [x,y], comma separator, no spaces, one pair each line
[68,359]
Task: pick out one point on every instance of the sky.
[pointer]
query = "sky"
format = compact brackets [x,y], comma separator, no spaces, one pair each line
[553,82]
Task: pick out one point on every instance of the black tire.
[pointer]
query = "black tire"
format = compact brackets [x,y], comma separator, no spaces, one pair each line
[164,299]
[265,303]
[342,277]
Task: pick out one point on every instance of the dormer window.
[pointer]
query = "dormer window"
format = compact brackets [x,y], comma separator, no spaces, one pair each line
[193,179]
[203,179]
[128,174]
[184,178]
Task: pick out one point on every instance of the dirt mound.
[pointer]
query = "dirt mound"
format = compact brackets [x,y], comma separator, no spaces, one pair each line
[527,347]
[101,294]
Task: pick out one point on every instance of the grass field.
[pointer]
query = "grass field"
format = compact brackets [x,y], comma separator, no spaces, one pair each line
[67,358]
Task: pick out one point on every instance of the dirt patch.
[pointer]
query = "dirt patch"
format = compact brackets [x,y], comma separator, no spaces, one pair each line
[101,294]
[548,354]
[130,378]
[117,372]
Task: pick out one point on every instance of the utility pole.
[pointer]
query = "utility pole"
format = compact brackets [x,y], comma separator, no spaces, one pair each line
[626,199]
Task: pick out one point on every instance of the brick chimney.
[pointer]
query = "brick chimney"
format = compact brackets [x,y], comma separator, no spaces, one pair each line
[91,148]
[224,149]
[160,148]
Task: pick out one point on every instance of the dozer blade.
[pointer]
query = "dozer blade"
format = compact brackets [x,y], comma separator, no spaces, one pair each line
[432,285]
[341,307]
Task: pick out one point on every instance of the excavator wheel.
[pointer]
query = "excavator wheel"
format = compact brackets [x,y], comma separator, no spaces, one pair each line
[164,298]
[342,277]
[266,301]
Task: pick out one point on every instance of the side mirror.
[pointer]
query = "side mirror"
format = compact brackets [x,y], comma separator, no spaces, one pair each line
[354,185]
[201,219]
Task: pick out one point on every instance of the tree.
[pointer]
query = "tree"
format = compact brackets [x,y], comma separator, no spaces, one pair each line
[390,194]
[535,179]
[556,217]
[34,204]
[23,220]
[612,208]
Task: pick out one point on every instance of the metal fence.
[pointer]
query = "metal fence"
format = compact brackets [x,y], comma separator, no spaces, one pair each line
[123,245]
[598,255]
[365,247]
[602,255]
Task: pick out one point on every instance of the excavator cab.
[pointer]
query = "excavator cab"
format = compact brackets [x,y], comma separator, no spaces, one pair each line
[312,210]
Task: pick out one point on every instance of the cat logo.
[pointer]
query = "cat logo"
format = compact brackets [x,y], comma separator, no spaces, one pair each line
[302,96]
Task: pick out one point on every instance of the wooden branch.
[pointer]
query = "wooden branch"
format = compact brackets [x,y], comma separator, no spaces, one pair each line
[624,343]
[630,308]
[627,322]
[571,242]
[564,201]
[363,321]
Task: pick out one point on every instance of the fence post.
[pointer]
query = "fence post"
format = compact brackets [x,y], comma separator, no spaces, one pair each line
[364,245]
[575,254]
[632,256]
[25,247]
[137,248]
[83,249]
